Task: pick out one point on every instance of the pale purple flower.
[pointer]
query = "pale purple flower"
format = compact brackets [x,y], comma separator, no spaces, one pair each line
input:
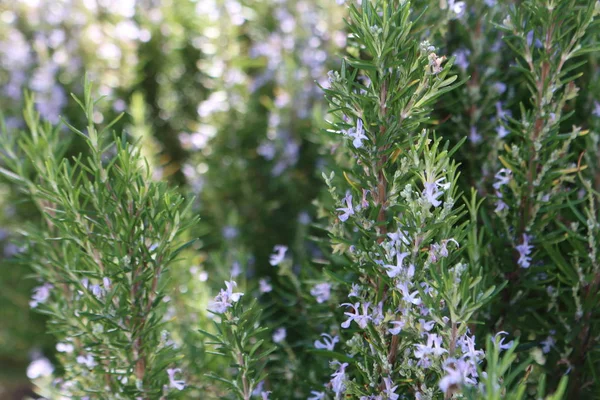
[264,286]
[39,367]
[432,191]
[321,292]
[474,136]
[501,112]
[279,335]
[87,360]
[331,77]
[348,210]
[119,105]
[502,131]
[467,345]
[364,203]
[425,326]
[596,111]
[433,346]
[265,395]
[500,87]
[547,344]
[377,314]
[174,383]
[236,269]
[462,58]
[458,372]
[279,254]
[355,290]
[64,347]
[398,237]
[545,198]
[500,204]
[500,343]
[267,149]
[304,218]
[258,389]
[395,270]
[328,342]
[338,381]
[389,390]
[361,319]
[203,276]
[424,362]
[427,289]
[410,272]
[40,295]
[457,7]
[230,232]
[407,296]
[357,134]
[529,38]
[225,298]
[314,395]
[440,250]
[524,250]
[398,325]
[502,178]
[97,291]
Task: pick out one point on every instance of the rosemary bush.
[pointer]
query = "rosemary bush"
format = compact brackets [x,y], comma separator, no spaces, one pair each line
[419,222]
[103,257]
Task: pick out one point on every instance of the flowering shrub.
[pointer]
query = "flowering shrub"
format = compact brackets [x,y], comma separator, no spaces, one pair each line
[419,222]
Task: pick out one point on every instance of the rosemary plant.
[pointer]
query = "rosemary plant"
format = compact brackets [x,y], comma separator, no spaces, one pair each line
[411,241]
[437,239]
[545,199]
[102,257]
